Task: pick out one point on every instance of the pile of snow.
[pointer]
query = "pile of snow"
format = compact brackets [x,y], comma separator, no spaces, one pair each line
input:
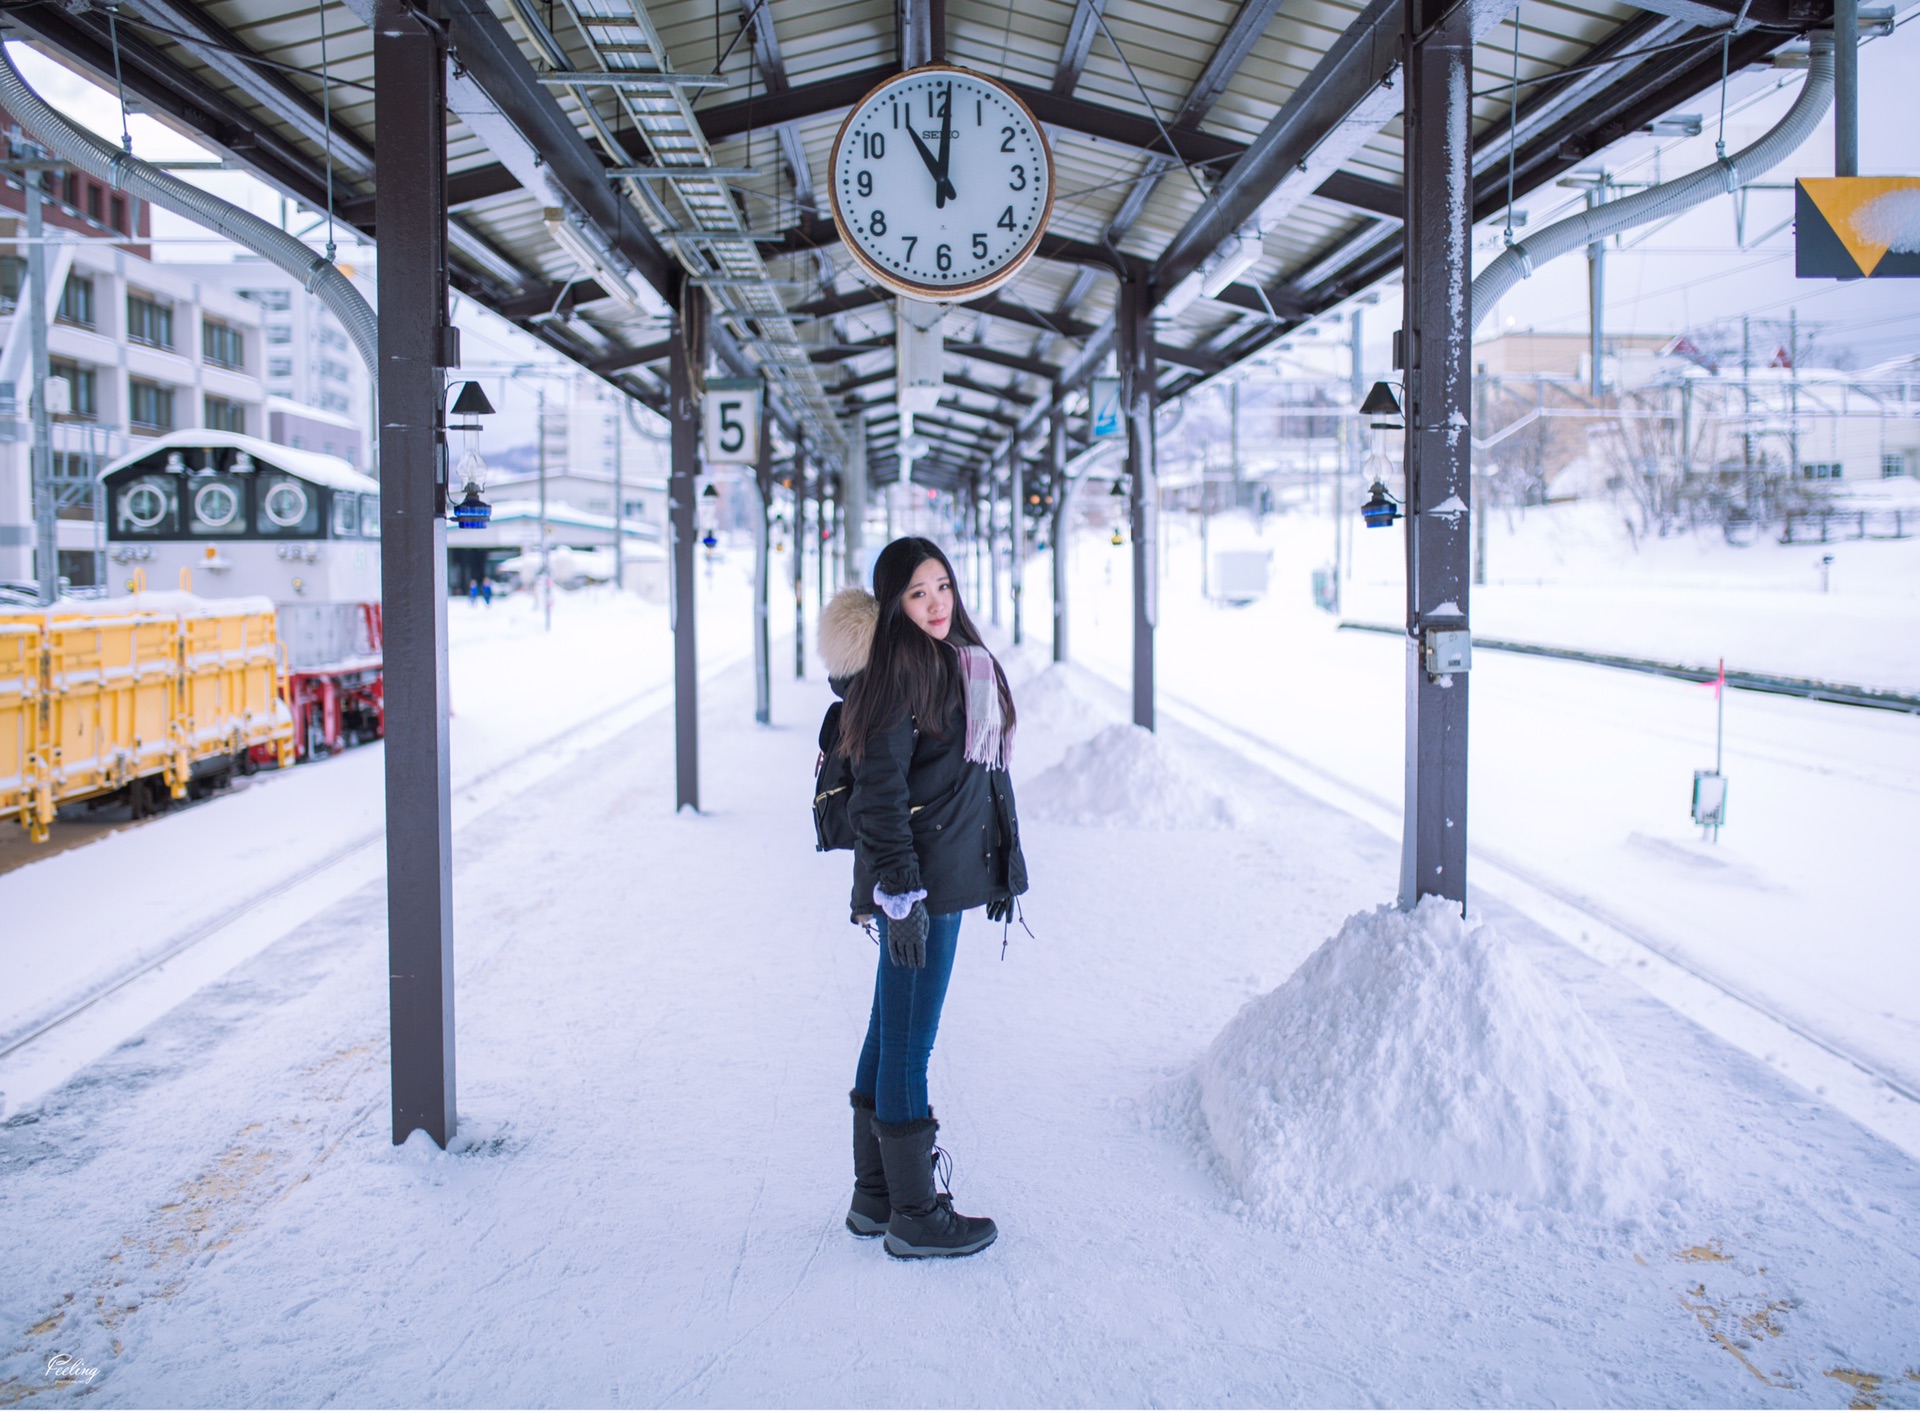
[1053,701]
[1415,1053]
[1126,777]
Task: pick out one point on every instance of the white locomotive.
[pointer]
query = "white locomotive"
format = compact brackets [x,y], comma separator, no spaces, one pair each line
[246,517]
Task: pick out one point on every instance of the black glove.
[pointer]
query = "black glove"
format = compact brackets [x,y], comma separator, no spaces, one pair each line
[1000,909]
[907,938]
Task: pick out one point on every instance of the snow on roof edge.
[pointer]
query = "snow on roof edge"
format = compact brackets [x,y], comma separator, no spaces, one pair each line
[315,466]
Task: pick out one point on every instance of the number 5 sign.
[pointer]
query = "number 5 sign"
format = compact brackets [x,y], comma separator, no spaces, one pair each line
[733,419]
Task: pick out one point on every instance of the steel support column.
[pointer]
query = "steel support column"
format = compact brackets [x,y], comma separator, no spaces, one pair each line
[416,338]
[1016,534]
[1437,349]
[1057,462]
[687,384]
[799,561]
[853,557]
[1846,88]
[762,576]
[1133,348]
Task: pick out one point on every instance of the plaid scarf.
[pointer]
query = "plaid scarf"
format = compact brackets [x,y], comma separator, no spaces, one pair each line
[989,738]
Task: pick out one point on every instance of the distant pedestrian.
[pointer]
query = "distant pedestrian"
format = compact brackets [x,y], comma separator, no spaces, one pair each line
[473,592]
[486,592]
[928,728]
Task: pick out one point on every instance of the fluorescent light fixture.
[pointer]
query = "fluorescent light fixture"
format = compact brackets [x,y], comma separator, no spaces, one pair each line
[1180,298]
[1237,254]
[638,297]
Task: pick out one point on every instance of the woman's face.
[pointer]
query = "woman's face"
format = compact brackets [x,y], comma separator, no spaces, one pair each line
[929,599]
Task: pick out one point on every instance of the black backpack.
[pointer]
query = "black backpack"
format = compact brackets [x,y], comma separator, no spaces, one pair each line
[832,788]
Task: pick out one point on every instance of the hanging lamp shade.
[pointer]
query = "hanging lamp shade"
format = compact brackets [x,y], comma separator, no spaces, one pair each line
[1381,403]
[472,402]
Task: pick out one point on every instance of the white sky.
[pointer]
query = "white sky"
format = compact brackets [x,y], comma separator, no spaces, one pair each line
[1675,277]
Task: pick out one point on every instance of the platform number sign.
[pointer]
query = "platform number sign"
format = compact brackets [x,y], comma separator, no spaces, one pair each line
[733,420]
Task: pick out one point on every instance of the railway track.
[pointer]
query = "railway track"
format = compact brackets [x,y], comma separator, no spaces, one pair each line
[41,1053]
[1856,1083]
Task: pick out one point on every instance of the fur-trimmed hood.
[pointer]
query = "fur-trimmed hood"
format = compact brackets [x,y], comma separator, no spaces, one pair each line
[847,626]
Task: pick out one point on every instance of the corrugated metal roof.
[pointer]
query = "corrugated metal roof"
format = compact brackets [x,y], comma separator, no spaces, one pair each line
[1216,59]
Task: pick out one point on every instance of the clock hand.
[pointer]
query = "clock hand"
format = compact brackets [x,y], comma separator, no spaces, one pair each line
[943,185]
[933,167]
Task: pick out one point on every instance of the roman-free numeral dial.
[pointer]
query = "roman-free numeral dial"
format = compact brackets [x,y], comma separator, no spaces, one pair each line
[942,183]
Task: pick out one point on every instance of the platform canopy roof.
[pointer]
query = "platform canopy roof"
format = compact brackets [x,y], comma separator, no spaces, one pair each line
[1173,123]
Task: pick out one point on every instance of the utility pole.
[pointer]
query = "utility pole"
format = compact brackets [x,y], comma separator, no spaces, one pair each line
[1793,390]
[1596,291]
[1746,404]
[1356,450]
[46,547]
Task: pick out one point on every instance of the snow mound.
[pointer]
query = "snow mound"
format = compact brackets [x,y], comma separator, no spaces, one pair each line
[1414,1053]
[1053,701]
[1127,777]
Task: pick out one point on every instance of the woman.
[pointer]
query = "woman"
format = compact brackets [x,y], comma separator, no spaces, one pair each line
[927,727]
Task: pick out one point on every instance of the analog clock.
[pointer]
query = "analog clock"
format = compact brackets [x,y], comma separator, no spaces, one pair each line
[942,183]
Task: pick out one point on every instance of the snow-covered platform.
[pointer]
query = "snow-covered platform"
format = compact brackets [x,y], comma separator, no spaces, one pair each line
[657,1021]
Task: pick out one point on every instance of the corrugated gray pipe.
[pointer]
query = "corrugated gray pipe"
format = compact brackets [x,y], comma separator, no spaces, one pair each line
[128,173]
[1522,258]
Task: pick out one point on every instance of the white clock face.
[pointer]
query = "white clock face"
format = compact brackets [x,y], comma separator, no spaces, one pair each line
[942,182]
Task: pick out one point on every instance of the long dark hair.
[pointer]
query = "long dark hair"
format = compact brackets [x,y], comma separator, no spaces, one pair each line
[909,673]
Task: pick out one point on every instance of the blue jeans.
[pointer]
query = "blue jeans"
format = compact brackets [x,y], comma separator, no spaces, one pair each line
[906,1016]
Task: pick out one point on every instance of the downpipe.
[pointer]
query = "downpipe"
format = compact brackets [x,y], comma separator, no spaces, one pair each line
[125,172]
[1726,175]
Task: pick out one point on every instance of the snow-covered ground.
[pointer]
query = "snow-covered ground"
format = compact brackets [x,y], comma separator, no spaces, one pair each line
[1581,777]
[658,1015]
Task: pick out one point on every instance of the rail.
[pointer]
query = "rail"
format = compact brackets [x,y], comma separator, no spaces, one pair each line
[1810,688]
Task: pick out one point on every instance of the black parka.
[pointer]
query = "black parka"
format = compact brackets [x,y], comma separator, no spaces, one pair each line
[924,816]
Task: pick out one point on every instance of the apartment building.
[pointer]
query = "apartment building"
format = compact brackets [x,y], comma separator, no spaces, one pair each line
[307,359]
[135,349]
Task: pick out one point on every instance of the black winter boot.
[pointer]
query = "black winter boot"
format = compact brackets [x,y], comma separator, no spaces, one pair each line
[867,1216]
[923,1221]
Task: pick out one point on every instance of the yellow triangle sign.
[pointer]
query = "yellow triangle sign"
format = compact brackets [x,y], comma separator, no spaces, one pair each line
[1861,220]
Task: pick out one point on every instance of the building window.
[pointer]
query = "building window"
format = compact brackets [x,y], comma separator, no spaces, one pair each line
[335,371]
[279,367]
[149,406]
[222,344]
[70,189]
[334,402]
[76,301]
[1820,470]
[117,213]
[226,415]
[83,389]
[149,322]
[13,279]
[279,334]
[1893,463]
[96,210]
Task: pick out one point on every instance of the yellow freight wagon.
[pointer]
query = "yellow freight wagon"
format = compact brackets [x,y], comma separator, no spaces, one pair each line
[157,695]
